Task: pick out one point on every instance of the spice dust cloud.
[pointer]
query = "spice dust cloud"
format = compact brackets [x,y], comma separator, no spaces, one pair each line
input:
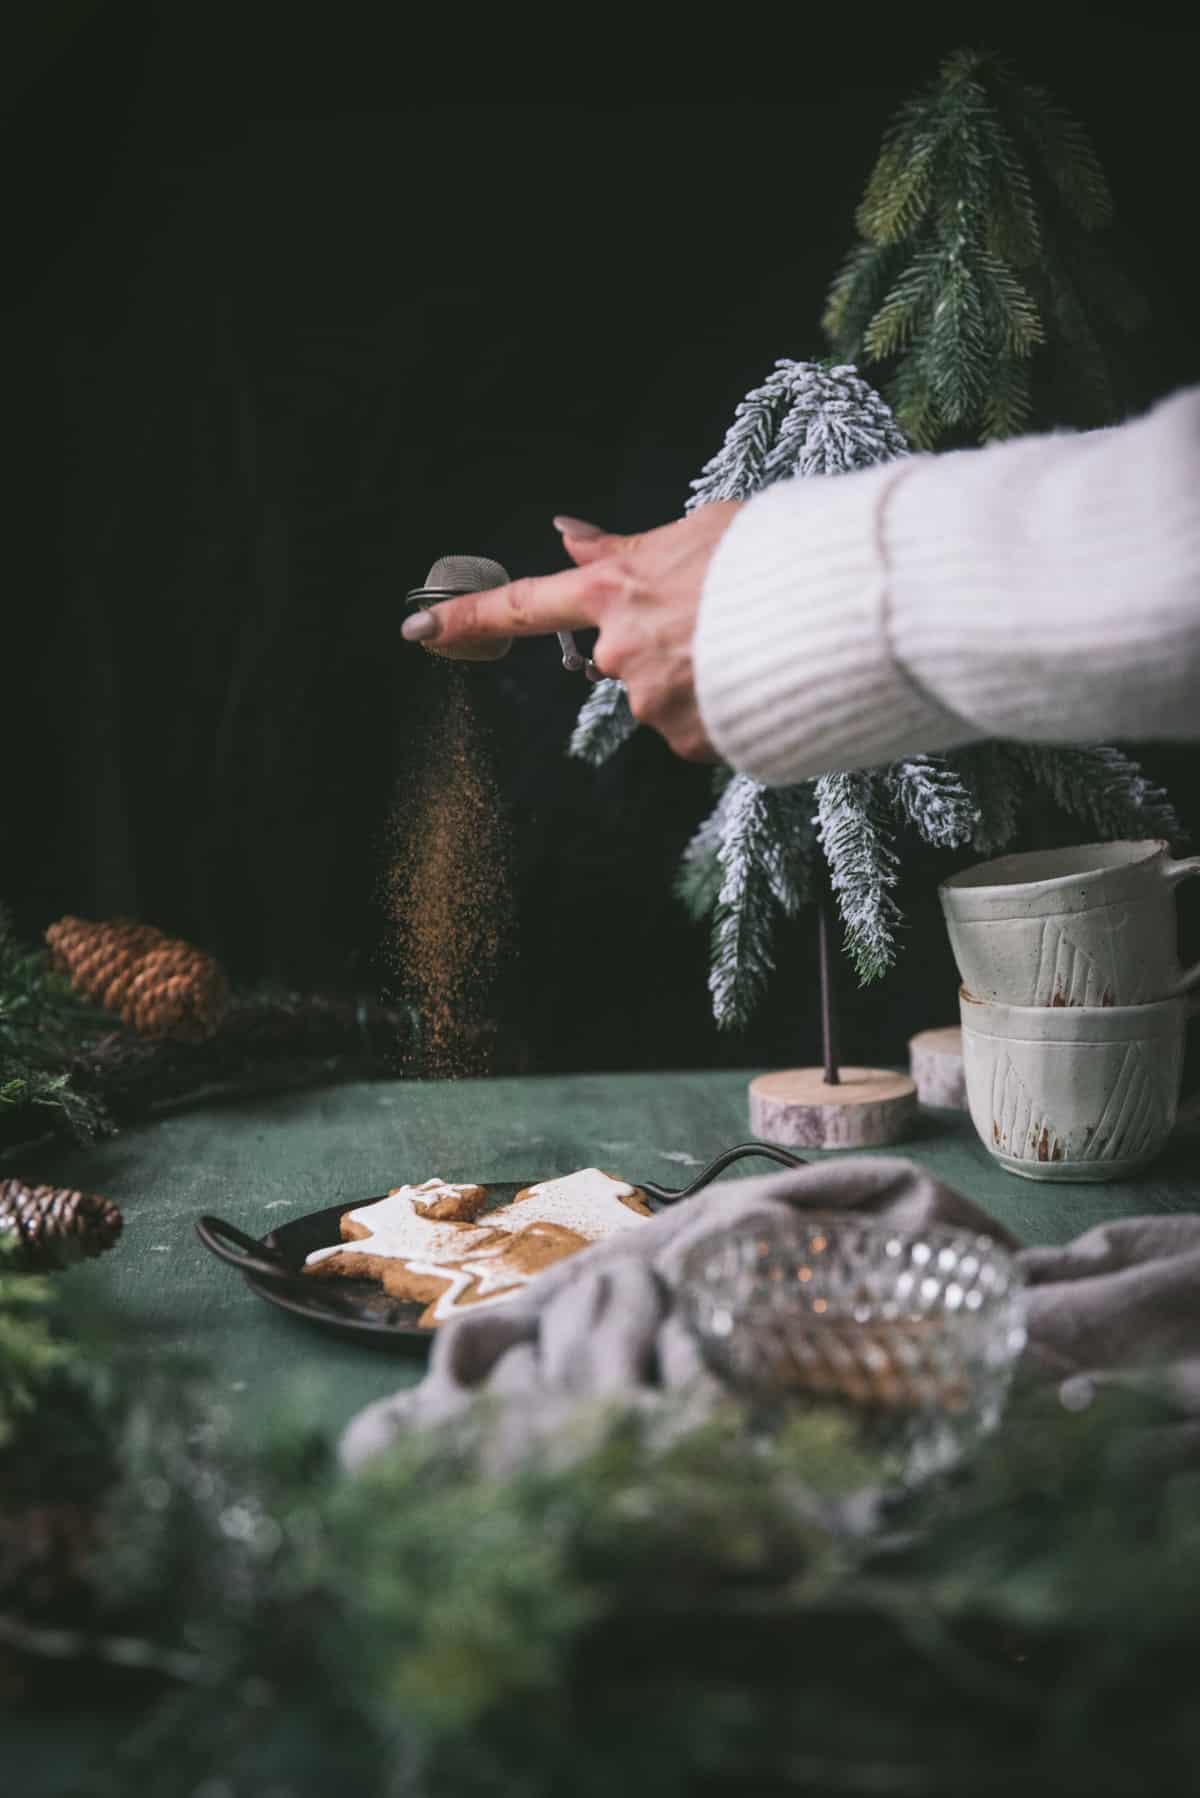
[448,892]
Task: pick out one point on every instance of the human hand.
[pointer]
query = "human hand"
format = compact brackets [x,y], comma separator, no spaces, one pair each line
[642,593]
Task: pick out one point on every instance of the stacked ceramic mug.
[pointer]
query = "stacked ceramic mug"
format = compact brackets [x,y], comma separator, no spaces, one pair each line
[1074,1005]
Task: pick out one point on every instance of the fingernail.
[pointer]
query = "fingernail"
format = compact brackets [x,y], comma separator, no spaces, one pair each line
[419,628]
[576,527]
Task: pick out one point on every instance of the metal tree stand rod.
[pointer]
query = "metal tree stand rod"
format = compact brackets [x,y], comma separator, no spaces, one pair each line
[829,1032]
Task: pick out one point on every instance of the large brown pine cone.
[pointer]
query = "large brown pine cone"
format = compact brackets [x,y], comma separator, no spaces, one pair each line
[176,991]
[159,985]
[96,957]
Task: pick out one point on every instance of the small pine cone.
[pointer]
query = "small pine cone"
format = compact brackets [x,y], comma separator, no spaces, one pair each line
[54,1226]
[158,985]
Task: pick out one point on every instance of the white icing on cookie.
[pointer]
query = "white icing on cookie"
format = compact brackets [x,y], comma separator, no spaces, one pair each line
[485,1272]
[397,1229]
[588,1202]
[490,1283]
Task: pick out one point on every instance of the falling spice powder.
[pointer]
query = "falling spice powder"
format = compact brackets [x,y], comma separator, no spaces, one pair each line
[448,891]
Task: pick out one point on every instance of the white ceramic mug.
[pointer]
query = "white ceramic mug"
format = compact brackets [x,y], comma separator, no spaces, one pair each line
[1092,925]
[1073,1093]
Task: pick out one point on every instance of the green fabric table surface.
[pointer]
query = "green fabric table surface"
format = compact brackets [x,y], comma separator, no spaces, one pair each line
[259,1162]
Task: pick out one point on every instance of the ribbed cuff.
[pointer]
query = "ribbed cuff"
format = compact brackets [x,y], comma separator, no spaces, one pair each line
[795,674]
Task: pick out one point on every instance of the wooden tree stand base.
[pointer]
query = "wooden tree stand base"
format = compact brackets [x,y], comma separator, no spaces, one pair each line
[867,1107]
[935,1061]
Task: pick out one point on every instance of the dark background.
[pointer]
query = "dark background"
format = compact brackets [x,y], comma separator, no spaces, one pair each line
[294,307]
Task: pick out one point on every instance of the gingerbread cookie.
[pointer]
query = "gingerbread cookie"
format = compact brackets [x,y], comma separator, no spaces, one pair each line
[423,1243]
[544,1223]
[430,1220]
[492,1270]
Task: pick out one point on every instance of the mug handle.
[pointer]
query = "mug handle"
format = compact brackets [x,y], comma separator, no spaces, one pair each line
[1172,872]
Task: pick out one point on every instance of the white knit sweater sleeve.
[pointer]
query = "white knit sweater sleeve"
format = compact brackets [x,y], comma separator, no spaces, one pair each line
[1046,588]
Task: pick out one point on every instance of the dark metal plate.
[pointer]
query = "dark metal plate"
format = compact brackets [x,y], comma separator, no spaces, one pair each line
[360,1308]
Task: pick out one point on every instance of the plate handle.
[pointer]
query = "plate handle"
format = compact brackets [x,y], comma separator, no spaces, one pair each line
[249,1256]
[768,1151]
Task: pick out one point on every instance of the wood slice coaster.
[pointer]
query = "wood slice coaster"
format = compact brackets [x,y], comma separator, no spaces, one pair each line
[935,1061]
[867,1107]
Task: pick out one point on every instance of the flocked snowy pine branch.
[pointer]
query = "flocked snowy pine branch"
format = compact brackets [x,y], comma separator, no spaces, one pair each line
[742,956]
[855,834]
[788,847]
[1104,786]
[934,799]
[790,857]
[754,856]
[1098,784]
[996,780]
[825,420]
[604,723]
[698,880]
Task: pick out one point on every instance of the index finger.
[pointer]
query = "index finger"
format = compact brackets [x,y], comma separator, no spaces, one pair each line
[532,607]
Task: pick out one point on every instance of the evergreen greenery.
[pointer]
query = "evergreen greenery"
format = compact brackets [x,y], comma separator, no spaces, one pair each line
[604,723]
[28,1352]
[1102,786]
[41,1024]
[980,250]
[994,776]
[676,1610]
[746,846]
[754,855]
[936,800]
[855,813]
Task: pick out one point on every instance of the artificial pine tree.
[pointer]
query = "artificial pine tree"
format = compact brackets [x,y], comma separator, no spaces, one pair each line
[977,224]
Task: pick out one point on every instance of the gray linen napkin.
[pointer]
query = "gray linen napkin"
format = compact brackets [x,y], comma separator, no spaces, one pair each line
[603,1324]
